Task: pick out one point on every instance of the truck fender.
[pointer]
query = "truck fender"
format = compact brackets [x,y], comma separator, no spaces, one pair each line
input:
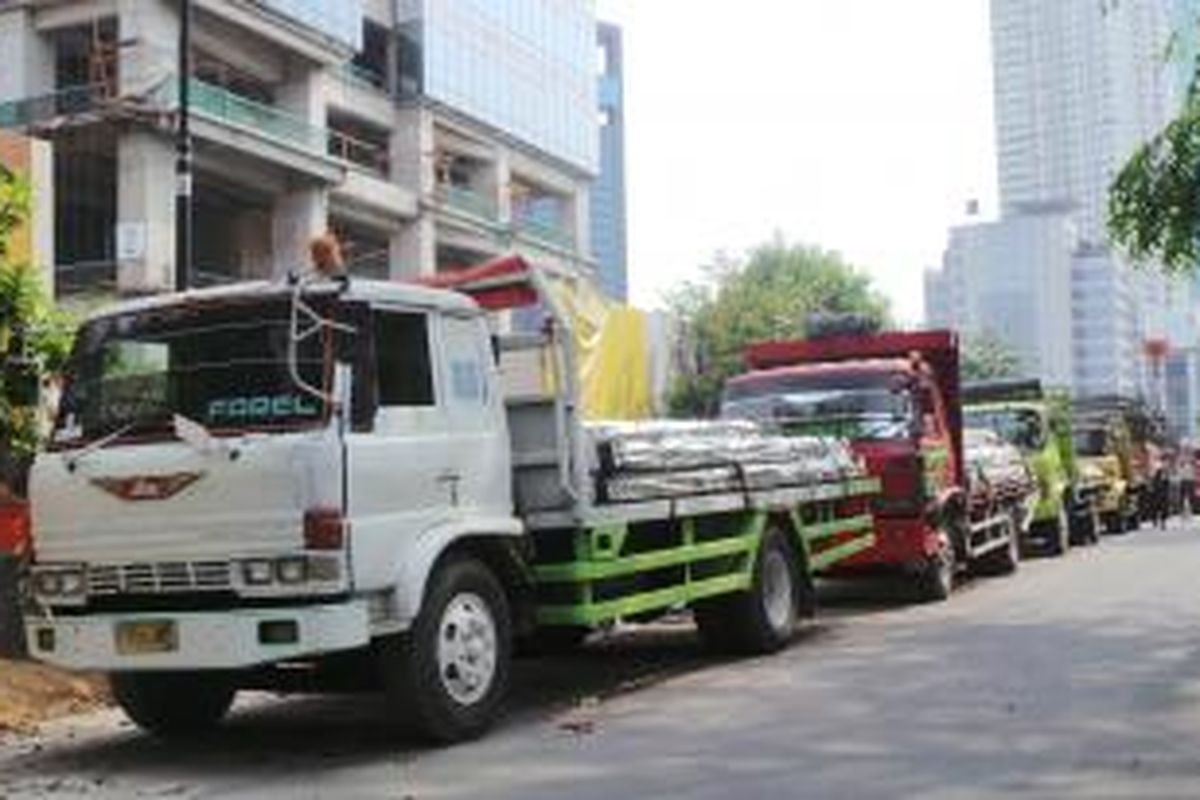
[951,504]
[416,562]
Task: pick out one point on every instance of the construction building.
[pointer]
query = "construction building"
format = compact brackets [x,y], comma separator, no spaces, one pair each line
[428,134]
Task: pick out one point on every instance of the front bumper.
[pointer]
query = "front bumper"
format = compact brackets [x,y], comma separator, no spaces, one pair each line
[220,640]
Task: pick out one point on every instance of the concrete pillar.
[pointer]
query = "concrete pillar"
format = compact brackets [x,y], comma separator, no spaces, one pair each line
[412,250]
[503,186]
[302,94]
[580,219]
[28,56]
[145,212]
[412,151]
[150,59]
[299,216]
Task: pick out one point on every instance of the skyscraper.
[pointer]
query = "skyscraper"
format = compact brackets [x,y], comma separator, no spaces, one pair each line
[1079,84]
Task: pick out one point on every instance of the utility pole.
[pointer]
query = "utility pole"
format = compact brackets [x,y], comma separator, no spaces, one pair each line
[183,154]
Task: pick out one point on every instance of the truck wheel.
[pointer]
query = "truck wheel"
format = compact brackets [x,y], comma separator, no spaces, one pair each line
[935,581]
[1058,539]
[765,618]
[173,705]
[1133,520]
[446,678]
[1085,527]
[1003,560]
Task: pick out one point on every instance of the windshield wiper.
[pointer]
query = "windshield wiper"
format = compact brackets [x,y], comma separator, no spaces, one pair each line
[97,444]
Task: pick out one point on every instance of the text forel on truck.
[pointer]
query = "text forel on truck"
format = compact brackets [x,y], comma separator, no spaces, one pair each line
[335,485]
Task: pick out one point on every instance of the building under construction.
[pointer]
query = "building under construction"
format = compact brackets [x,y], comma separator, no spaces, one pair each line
[428,134]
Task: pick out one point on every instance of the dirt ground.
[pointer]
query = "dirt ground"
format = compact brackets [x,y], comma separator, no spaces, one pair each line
[33,693]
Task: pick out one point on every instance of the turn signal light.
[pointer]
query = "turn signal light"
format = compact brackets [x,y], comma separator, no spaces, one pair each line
[324,529]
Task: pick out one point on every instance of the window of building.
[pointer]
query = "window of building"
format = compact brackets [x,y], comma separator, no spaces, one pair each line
[402,362]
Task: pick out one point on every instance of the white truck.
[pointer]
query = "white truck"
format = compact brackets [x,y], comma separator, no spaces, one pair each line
[324,486]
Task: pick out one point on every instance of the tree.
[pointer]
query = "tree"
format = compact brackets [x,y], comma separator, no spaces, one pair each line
[772,294]
[985,357]
[1154,201]
[32,332]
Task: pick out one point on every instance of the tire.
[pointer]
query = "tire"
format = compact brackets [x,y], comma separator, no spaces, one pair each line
[1004,560]
[446,678]
[173,705]
[935,579]
[765,618]
[1059,538]
[1114,523]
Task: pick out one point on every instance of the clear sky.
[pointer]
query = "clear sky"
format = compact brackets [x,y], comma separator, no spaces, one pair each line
[862,126]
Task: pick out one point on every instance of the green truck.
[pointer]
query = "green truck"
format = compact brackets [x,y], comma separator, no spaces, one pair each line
[1022,413]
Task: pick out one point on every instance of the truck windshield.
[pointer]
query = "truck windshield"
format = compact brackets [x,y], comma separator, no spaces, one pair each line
[1017,426]
[850,406]
[225,367]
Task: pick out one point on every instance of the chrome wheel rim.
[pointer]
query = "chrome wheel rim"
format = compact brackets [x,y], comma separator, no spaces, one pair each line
[466,648]
[777,594]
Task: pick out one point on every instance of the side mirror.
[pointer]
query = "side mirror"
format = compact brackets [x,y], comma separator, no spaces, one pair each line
[22,383]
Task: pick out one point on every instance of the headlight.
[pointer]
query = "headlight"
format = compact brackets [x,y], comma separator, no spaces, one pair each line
[258,572]
[73,583]
[47,584]
[60,582]
[291,570]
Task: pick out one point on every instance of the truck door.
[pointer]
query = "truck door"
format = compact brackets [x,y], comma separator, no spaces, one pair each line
[395,468]
[477,470]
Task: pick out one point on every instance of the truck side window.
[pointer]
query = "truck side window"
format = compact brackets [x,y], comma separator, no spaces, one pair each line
[402,359]
[928,411]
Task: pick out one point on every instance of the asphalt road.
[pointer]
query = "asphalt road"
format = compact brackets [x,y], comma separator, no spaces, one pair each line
[1078,677]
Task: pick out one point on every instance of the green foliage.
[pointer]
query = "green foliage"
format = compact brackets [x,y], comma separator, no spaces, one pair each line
[1154,202]
[30,327]
[769,295]
[985,358]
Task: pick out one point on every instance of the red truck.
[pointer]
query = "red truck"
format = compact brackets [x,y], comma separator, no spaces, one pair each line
[895,396]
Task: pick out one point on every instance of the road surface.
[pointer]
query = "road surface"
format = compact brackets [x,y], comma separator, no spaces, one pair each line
[1079,677]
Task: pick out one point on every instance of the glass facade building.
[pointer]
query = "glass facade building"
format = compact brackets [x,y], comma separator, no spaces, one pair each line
[525,67]
[609,236]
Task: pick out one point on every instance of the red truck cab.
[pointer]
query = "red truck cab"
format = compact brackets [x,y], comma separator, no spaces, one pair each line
[895,397]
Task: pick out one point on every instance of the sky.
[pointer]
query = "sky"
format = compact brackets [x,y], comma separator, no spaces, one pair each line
[861,126]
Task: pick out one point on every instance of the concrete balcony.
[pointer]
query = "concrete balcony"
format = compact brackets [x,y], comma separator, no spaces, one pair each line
[261,130]
[373,200]
[362,94]
[290,34]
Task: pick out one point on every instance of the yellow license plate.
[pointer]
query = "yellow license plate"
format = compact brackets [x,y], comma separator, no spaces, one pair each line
[142,638]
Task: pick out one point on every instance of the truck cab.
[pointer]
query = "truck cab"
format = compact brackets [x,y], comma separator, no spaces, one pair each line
[244,477]
[1021,414]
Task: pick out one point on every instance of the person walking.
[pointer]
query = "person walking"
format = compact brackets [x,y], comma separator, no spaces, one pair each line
[1185,467]
[1160,499]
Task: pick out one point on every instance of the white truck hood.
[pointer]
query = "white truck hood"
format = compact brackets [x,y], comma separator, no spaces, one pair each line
[169,501]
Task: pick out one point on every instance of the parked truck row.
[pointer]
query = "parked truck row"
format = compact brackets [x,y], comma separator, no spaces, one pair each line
[353,485]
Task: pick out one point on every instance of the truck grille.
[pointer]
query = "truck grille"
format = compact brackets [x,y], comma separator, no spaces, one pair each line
[173,576]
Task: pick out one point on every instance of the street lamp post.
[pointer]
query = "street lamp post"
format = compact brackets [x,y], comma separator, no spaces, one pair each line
[183,154]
